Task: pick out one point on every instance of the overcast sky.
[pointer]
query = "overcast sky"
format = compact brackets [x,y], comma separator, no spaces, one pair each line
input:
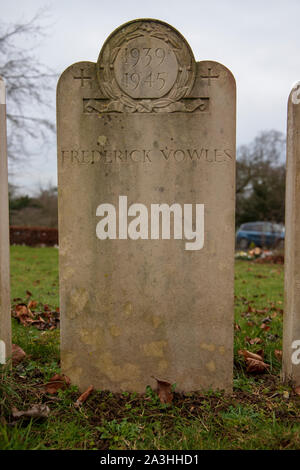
[257,40]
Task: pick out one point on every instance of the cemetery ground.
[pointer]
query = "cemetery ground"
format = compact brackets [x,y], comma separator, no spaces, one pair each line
[261,413]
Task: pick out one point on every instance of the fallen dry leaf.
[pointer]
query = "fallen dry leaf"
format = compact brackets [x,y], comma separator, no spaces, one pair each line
[32,304]
[254,361]
[278,354]
[264,327]
[84,396]
[255,366]
[41,320]
[164,390]
[261,312]
[36,411]
[255,341]
[17,354]
[249,354]
[56,383]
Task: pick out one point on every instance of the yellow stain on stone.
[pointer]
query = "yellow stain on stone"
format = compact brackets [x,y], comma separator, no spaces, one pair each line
[211,366]
[208,346]
[79,299]
[115,330]
[64,245]
[162,365]
[156,321]
[155,348]
[221,350]
[102,139]
[68,360]
[68,273]
[91,336]
[118,373]
[75,374]
[128,309]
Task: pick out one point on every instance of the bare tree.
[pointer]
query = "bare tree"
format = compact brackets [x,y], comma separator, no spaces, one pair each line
[28,83]
[260,179]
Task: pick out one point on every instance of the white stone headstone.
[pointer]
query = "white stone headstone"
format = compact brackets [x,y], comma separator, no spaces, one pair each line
[5,315]
[146,177]
[291,319]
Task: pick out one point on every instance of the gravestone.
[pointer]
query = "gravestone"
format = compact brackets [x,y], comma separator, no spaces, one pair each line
[291,319]
[5,318]
[146,184]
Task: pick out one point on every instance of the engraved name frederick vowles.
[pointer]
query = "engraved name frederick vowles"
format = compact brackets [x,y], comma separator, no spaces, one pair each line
[137,155]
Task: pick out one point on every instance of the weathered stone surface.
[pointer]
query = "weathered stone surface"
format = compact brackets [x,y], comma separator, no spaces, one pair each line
[148,123]
[5,319]
[291,319]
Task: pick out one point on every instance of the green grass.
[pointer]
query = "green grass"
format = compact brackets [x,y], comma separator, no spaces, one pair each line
[259,414]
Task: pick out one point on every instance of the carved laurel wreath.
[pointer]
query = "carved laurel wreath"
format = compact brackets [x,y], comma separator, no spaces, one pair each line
[122,102]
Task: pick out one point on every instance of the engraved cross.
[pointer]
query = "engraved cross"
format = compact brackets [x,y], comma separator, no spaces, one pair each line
[209,76]
[82,78]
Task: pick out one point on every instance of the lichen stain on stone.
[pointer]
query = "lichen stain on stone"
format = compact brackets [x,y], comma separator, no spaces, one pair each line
[156,321]
[78,302]
[128,309]
[68,272]
[91,336]
[155,349]
[162,366]
[75,374]
[221,350]
[222,266]
[118,373]
[67,359]
[65,245]
[211,366]
[115,330]
[208,347]
[102,139]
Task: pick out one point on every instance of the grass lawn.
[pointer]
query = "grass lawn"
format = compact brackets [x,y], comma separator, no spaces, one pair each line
[260,414]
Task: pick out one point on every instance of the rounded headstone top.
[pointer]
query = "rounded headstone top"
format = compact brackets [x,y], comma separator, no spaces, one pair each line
[146,60]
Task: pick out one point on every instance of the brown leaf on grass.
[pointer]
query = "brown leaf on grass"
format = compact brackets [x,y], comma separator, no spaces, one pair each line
[40,320]
[262,312]
[264,327]
[278,354]
[250,355]
[255,341]
[32,304]
[56,383]
[36,411]
[254,361]
[237,327]
[164,390]
[17,354]
[23,314]
[255,366]
[29,293]
[84,396]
